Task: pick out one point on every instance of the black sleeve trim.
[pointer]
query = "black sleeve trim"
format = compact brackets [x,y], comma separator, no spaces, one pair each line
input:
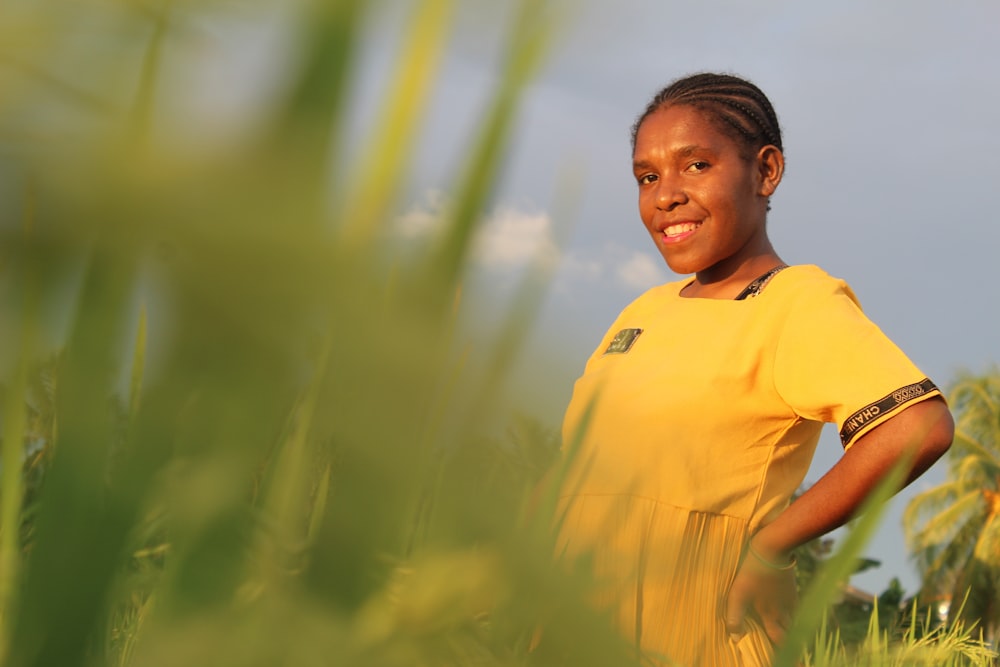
[885,405]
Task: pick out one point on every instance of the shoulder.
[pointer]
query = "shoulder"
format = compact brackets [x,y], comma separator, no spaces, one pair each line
[805,283]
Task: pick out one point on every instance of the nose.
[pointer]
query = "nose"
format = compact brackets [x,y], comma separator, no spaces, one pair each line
[669,193]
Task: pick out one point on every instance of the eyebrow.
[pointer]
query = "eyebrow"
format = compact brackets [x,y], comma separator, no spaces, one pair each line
[689,150]
[682,152]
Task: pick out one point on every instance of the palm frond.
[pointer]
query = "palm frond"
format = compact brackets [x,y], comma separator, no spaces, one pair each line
[969,448]
[943,526]
[987,547]
[948,525]
[974,473]
[983,389]
[929,502]
[976,402]
[941,564]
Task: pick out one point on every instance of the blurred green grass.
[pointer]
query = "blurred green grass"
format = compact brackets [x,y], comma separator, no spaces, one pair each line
[272,470]
[255,434]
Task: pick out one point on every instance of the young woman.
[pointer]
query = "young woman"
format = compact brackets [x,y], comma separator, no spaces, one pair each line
[698,414]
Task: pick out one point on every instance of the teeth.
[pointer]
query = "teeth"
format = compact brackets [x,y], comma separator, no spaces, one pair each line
[674,230]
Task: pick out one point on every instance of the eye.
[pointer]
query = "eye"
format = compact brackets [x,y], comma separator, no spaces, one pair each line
[699,165]
[646,179]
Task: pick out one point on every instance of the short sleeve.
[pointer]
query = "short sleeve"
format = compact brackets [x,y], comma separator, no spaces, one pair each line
[833,364]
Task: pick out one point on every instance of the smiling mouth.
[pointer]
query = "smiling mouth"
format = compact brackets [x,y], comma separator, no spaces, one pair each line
[680,230]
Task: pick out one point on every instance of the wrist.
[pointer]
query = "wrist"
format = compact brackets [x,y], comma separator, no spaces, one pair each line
[768,556]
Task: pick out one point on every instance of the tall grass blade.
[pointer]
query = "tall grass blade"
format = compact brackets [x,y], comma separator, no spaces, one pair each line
[318,510]
[138,366]
[528,40]
[286,525]
[11,498]
[305,131]
[142,111]
[80,535]
[385,156]
[14,420]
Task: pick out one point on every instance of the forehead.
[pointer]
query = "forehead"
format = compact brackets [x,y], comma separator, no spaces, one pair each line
[678,127]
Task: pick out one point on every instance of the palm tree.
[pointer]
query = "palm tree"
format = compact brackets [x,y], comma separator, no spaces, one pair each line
[953,529]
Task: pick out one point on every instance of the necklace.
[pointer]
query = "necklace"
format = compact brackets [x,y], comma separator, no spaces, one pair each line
[755,287]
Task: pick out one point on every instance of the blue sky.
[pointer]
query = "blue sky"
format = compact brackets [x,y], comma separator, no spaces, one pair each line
[889,115]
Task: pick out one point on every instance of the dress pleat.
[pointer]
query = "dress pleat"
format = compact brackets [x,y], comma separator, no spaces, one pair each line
[655,566]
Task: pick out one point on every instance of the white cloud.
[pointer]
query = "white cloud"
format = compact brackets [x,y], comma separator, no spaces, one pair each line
[507,239]
[623,269]
[510,239]
[425,218]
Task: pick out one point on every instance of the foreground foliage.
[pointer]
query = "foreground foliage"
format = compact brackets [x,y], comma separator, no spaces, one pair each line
[923,642]
[260,425]
[238,429]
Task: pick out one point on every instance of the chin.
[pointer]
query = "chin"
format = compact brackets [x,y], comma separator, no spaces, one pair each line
[683,266]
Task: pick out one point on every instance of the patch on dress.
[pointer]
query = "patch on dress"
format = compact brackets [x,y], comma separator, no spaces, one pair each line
[623,341]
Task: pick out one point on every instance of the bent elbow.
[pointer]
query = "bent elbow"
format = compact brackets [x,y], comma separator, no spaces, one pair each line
[947,434]
[941,433]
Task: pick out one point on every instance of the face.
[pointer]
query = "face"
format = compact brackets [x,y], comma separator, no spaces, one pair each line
[703,203]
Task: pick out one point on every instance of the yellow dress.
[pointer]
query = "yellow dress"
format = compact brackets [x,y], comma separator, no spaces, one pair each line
[693,423]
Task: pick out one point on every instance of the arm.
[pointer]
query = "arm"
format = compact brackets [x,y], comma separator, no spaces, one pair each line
[921,432]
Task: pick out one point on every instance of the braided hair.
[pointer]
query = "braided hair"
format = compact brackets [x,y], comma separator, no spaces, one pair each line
[736,106]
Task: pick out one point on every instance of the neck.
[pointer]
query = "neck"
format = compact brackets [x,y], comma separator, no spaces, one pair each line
[726,282]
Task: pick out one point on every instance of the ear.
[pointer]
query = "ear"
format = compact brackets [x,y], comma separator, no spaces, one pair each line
[771,167]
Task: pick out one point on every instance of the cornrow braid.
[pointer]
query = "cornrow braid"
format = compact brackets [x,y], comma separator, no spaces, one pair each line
[735,105]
